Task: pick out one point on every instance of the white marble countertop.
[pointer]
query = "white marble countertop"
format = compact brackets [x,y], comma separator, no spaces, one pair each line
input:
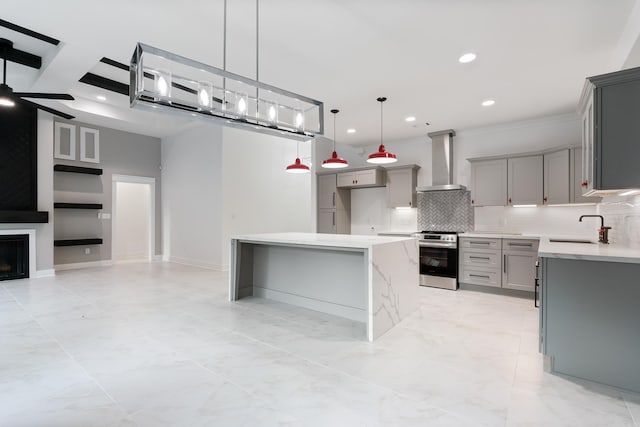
[498,235]
[319,239]
[397,233]
[588,251]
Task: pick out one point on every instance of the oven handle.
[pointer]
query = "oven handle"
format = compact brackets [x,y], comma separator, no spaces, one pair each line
[437,245]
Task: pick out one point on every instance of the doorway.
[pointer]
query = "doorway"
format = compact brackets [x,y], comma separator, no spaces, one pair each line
[133,221]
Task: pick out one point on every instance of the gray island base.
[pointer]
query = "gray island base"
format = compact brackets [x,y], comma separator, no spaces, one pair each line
[368,279]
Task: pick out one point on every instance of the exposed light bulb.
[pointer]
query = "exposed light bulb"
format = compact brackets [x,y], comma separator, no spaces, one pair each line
[7,102]
[162,86]
[204,98]
[242,106]
[299,120]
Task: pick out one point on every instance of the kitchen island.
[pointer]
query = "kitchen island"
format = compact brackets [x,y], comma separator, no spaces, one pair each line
[589,311]
[369,279]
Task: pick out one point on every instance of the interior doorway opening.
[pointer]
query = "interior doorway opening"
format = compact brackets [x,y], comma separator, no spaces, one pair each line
[133,221]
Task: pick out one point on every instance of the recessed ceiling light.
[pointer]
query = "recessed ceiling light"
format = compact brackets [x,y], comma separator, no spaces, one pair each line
[488,103]
[101,98]
[467,57]
[351,131]
[410,119]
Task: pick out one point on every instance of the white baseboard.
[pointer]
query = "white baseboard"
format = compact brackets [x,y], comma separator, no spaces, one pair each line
[77,265]
[196,263]
[44,273]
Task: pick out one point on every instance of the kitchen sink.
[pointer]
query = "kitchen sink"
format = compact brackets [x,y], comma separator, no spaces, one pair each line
[572,241]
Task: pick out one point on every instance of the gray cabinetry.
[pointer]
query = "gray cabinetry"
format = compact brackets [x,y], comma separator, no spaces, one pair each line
[576,188]
[499,263]
[334,206]
[557,182]
[519,264]
[479,261]
[524,182]
[361,178]
[610,107]
[589,322]
[401,187]
[489,182]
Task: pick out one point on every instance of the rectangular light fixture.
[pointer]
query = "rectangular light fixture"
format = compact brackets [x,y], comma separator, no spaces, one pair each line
[524,206]
[164,81]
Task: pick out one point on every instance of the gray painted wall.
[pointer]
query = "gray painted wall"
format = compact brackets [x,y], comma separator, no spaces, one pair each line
[121,153]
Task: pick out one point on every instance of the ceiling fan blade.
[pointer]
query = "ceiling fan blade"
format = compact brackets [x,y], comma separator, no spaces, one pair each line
[47,109]
[44,95]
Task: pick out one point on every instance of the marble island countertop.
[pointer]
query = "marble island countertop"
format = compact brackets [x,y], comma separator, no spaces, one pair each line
[319,239]
[588,251]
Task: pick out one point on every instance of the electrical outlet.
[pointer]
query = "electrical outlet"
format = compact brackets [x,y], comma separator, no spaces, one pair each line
[87,251]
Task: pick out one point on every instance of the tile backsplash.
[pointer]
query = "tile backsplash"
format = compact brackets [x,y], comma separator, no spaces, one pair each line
[445,211]
[622,214]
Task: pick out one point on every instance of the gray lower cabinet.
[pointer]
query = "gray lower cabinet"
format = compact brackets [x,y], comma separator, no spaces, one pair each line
[589,320]
[499,263]
[519,264]
[479,261]
[327,221]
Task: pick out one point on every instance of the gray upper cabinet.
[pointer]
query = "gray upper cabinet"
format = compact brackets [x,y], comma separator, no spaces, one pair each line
[401,187]
[610,107]
[361,178]
[557,182]
[489,182]
[576,188]
[524,181]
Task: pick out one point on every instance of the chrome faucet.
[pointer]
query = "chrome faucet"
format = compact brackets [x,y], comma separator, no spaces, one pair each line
[603,232]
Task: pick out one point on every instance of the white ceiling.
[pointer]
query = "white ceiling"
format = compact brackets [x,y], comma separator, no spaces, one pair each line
[533,56]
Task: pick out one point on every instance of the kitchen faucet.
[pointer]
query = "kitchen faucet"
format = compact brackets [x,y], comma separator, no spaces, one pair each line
[603,232]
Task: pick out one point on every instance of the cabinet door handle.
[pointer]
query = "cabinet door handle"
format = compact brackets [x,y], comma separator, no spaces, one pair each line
[584,184]
[478,275]
[524,245]
[504,263]
[334,199]
[479,243]
[480,257]
[472,201]
[535,293]
[544,200]
[509,200]
[334,219]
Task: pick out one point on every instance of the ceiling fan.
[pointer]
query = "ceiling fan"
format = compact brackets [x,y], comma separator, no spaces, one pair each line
[9,98]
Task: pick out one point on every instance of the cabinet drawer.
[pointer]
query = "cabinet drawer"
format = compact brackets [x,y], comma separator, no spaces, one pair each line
[481,259]
[519,245]
[480,243]
[480,277]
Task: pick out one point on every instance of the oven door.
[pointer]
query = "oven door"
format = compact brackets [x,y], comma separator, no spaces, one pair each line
[438,260]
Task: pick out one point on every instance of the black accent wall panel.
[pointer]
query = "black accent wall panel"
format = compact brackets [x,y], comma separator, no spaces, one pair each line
[18,158]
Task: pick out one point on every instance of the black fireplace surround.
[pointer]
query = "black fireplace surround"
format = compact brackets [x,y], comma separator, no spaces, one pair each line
[14,256]
[19,165]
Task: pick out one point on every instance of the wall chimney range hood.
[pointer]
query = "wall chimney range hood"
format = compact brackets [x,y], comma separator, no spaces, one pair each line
[441,162]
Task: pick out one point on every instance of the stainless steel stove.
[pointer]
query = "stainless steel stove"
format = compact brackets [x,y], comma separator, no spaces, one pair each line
[438,259]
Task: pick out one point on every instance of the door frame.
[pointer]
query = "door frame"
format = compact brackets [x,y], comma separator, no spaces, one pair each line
[132,179]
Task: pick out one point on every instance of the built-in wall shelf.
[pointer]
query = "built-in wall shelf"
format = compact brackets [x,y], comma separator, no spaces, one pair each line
[77,242]
[77,169]
[64,205]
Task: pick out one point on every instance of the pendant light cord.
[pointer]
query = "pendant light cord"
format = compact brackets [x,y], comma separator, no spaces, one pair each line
[4,71]
[257,54]
[334,131]
[381,122]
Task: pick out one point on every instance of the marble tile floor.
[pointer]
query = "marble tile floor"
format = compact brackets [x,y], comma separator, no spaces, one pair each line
[159,345]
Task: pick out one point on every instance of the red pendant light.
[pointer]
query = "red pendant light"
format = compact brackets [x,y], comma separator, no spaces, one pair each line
[381,156]
[334,162]
[298,166]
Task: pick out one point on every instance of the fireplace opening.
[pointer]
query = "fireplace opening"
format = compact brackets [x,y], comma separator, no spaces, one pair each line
[14,256]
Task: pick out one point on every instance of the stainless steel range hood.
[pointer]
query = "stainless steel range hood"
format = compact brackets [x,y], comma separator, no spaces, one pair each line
[442,162]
